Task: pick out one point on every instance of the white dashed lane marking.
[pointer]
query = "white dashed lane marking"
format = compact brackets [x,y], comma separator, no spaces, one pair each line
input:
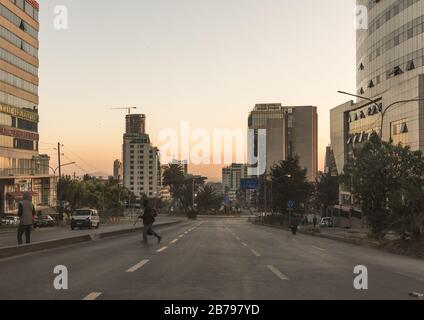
[161,249]
[92,296]
[256,253]
[174,241]
[137,266]
[277,272]
[318,248]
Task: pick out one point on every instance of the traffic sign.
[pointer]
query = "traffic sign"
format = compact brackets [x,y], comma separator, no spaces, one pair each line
[249,184]
[290,205]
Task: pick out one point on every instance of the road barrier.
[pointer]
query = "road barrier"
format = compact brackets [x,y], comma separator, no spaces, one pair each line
[14,251]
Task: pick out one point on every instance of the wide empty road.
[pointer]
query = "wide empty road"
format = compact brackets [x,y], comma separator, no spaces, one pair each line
[212,259]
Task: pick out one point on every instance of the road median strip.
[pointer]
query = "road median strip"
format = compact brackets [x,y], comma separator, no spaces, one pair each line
[8,252]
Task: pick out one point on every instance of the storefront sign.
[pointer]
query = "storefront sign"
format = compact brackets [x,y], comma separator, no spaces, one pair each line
[19,134]
[20,113]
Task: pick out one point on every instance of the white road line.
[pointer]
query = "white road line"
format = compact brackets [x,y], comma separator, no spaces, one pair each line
[238,238]
[174,241]
[161,249]
[275,271]
[92,296]
[137,266]
[182,235]
[318,248]
[256,253]
[244,243]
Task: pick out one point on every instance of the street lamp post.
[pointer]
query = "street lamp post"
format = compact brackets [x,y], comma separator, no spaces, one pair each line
[272,188]
[384,110]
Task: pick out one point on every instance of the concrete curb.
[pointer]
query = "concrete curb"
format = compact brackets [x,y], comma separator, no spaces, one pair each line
[8,252]
[358,242]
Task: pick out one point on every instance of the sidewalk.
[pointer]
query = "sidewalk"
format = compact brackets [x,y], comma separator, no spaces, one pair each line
[8,238]
[353,236]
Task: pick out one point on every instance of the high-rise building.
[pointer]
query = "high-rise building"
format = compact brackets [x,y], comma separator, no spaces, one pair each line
[117,170]
[290,132]
[231,180]
[136,124]
[22,168]
[141,160]
[390,69]
[330,162]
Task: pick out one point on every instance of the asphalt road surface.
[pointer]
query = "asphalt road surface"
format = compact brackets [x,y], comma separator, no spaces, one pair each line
[212,259]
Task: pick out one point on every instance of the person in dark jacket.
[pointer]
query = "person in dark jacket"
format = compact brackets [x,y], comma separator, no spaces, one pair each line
[315,222]
[26,214]
[148,220]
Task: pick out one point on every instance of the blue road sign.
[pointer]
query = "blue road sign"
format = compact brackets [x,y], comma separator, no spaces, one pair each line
[249,184]
[290,205]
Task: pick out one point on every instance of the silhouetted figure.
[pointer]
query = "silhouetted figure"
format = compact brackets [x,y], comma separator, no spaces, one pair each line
[26,214]
[315,222]
[148,220]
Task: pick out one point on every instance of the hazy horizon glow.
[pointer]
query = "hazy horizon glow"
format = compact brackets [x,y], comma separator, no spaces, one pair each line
[206,62]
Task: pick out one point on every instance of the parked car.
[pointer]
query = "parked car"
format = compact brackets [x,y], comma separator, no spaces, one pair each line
[327,223]
[44,222]
[10,221]
[85,218]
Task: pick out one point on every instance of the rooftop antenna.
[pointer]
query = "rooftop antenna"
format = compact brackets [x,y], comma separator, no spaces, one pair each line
[126,108]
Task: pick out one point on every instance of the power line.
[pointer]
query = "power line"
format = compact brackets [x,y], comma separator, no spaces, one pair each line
[80,158]
[75,164]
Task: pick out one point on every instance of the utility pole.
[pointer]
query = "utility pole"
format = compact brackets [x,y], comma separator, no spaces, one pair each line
[58,160]
[193,193]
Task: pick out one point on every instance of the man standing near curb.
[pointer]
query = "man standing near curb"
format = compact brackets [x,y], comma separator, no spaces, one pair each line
[148,220]
[26,214]
[315,222]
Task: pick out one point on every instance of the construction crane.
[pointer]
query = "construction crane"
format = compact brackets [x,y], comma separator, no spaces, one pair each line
[127,108]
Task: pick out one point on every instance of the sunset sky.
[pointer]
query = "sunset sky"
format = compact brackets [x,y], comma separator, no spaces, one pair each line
[203,61]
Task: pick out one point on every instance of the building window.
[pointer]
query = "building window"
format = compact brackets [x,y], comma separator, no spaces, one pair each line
[410,66]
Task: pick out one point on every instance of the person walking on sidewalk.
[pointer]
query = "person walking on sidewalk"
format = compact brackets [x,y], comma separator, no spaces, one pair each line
[26,214]
[148,220]
[315,222]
